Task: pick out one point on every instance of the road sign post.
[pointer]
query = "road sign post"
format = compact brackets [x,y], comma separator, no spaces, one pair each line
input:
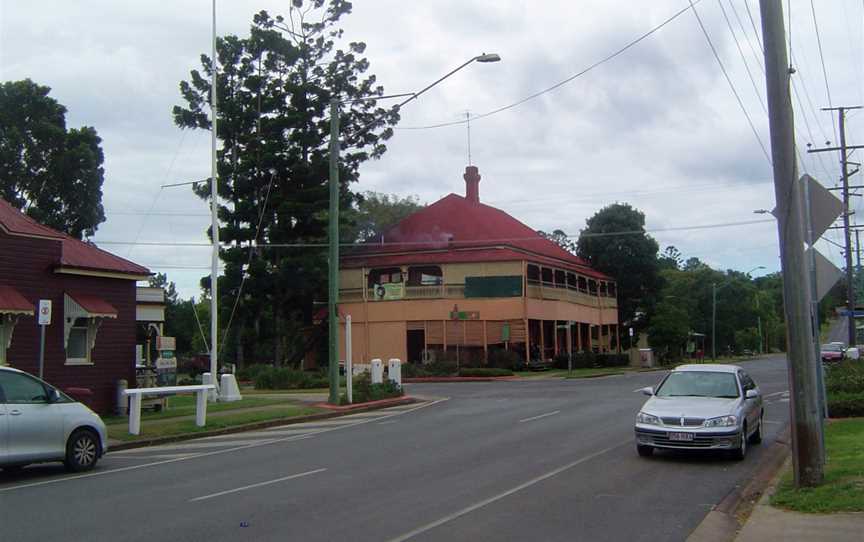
[44,321]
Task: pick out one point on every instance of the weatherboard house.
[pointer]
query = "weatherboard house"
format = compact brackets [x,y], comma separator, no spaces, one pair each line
[90,341]
[460,279]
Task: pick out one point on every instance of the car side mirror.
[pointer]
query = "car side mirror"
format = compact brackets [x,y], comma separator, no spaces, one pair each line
[53,395]
[752,394]
[649,391]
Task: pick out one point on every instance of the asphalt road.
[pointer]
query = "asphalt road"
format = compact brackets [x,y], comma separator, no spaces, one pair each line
[525,460]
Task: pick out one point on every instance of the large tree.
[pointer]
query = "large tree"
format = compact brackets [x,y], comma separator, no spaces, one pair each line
[375,212]
[53,174]
[615,242]
[274,90]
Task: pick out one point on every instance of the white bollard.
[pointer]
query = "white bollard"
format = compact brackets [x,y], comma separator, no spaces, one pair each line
[377,371]
[229,391]
[212,395]
[394,370]
[349,370]
[201,407]
[135,414]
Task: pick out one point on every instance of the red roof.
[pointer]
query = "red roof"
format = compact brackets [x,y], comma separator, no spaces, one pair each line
[11,301]
[75,253]
[458,229]
[94,305]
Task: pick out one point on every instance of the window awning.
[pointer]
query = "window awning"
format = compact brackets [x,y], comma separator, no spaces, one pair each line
[12,302]
[87,306]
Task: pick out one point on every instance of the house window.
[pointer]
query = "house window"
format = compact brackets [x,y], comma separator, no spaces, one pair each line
[78,343]
[385,276]
[533,273]
[425,276]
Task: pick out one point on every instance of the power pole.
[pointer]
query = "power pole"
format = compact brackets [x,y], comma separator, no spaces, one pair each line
[850,287]
[858,251]
[805,411]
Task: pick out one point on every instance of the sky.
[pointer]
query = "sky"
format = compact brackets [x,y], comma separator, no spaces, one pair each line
[657,126]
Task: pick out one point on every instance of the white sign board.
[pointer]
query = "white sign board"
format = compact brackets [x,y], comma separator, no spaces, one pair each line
[44,312]
[827,274]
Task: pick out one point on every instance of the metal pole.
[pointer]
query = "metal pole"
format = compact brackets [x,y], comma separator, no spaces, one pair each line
[759,324]
[349,370]
[850,287]
[41,350]
[858,251]
[214,218]
[713,321]
[333,251]
[805,419]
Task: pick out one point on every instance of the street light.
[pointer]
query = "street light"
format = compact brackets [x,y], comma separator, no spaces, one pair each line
[333,228]
[714,289]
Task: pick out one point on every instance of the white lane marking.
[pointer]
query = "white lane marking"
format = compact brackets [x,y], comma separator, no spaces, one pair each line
[184,446]
[154,456]
[387,422]
[256,434]
[498,497]
[776,393]
[215,452]
[540,416]
[259,484]
[773,423]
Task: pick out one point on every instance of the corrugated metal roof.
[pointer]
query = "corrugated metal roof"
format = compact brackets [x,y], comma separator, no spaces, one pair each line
[92,305]
[74,253]
[11,301]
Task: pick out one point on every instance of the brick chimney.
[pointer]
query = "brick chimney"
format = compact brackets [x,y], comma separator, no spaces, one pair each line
[472,184]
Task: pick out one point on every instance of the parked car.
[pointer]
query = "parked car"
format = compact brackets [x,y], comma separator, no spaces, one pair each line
[707,407]
[832,352]
[39,423]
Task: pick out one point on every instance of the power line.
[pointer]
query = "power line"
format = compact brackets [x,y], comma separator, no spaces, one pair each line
[556,85]
[743,58]
[729,80]
[822,59]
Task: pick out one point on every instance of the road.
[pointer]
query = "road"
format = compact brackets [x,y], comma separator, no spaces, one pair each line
[522,460]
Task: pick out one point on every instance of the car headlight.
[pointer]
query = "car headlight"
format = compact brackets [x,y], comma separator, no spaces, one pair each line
[647,419]
[722,421]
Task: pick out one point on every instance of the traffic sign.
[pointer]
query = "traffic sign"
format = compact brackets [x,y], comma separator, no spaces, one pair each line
[827,274]
[825,207]
[44,312]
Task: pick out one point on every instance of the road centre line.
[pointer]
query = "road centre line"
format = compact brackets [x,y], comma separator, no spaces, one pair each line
[540,416]
[511,491]
[259,484]
[215,452]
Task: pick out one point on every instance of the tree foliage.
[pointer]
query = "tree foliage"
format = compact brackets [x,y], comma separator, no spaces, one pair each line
[561,239]
[53,174]
[614,242]
[274,88]
[375,212]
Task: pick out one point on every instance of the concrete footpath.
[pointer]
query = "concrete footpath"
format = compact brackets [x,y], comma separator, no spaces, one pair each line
[768,524]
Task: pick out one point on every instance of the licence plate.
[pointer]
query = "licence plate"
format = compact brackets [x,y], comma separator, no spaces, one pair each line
[681,436]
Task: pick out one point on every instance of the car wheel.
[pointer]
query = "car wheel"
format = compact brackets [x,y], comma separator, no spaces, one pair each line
[645,451]
[741,451]
[82,451]
[756,437]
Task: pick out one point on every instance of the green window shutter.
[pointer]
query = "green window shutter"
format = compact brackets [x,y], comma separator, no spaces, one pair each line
[508,286]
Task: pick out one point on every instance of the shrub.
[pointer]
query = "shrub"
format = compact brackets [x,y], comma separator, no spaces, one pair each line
[485,371]
[364,390]
[845,377]
[250,372]
[845,404]
[584,360]
[612,360]
[441,368]
[283,378]
[504,359]
[413,370]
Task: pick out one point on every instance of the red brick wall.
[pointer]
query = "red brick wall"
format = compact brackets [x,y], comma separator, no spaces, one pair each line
[27,265]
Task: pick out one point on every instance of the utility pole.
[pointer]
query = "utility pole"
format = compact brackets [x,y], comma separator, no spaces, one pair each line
[844,149]
[333,252]
[858,251]
[713,321]
[805,415]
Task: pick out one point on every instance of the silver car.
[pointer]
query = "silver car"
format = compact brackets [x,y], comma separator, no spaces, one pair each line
[39,423]
[715,407]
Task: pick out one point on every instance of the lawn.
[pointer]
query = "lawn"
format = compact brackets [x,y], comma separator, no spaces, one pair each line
[282,410]
[576,373]
[843,490]
[184,405]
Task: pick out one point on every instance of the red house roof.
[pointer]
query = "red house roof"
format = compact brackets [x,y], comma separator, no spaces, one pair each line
[74,253]
[93,305]
[461,229]
[11,301]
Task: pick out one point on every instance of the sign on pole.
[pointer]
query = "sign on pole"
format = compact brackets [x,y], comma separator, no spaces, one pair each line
[825,207]
[827,274]
[44,312]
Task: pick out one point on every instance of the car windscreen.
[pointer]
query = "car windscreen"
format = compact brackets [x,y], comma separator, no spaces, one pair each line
[699,384]
[831,348]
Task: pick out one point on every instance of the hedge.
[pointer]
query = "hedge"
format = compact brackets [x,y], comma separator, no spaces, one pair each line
[282,378]
[845,405]
[364,390]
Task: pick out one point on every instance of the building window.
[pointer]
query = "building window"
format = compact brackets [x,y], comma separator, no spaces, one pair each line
[389,275]
[611,289]
[592,287]
[533,273]
[425,276]
[78,342]
[560,279]
[572,283]
[583,284]
[546,274]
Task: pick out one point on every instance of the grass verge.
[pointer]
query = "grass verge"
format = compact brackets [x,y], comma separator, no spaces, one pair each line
[184,405]
[843,490]
[120,431]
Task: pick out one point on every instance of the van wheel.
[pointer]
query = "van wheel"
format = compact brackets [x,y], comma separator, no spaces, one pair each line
[645,451]
[82,451]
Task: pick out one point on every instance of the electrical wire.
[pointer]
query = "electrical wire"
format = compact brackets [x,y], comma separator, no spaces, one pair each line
[556,85]
[822,59]
[729,80]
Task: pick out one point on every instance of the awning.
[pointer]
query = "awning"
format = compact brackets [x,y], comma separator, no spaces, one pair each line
[12,302]
[87,306]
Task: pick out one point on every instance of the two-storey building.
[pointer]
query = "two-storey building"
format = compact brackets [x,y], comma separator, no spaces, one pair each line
[459,279]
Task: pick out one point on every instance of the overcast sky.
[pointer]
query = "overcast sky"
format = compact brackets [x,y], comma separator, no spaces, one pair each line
[657,127]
